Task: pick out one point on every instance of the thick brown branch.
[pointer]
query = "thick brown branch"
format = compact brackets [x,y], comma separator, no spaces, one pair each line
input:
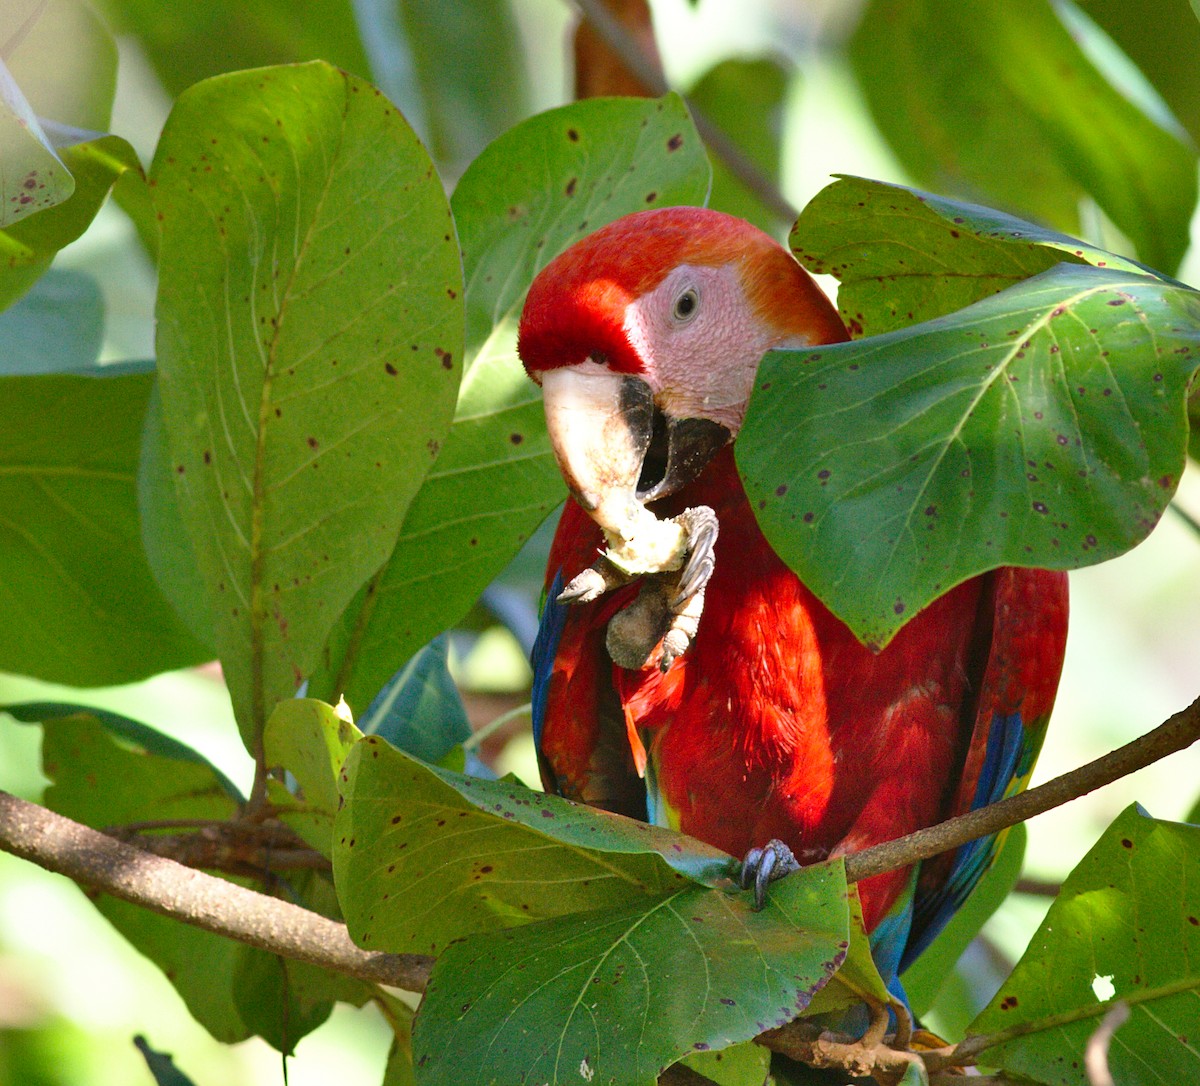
[97,861]
[1175,734]
[609,28]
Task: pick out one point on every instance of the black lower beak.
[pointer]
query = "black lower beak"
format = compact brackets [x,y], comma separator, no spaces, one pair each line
[678,451]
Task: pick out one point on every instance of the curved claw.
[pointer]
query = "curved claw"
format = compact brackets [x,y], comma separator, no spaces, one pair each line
[765,865]
[701,525]
[592,583]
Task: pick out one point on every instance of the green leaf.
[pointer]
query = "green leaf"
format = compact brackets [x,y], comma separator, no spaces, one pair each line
[722,93]
[904,256]
[79,603]
[186,43]
[1044,426]
[34,177]
[1125,925]
[165,537]
[233,990]
[533,192]
[309,338]
[959,88]
[858,979]
[27,247]
[57,327]
[616,995]
[923,980]
[161,1065]
[420,710]
[310,740]
[133,732]
[423,856]
[745,1064]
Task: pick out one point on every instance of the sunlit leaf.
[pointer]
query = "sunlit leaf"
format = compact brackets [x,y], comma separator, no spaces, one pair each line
[904,256]
[309,339]
[994,99]
[539,187]
[1125,926]
[745,1064]
[614,996]
[423,856]
[79,603]
[1044,426]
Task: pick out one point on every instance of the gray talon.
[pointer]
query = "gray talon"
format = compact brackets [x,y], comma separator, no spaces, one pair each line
[702,526]
[763,866]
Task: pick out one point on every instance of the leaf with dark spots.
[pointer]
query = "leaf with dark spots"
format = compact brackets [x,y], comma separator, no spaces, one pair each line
[627,991]
[487,494]
[271,501]
[916,408]
[863,232]
[1124,914]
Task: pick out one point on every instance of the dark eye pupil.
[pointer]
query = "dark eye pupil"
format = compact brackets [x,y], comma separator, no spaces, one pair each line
[686,304]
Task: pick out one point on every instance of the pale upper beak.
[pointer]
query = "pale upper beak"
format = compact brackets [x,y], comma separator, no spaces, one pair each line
[615,448]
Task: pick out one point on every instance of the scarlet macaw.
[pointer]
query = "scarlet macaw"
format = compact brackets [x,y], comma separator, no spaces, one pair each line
[775,722]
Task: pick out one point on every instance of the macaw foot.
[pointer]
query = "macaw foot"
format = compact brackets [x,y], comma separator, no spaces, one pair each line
[668,608]
[763,866]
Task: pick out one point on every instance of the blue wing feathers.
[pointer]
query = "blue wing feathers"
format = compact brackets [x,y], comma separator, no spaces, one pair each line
[545,648]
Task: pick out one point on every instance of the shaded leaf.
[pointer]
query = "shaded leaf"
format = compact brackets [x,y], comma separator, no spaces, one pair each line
[745,1064]
[399,1069]
[946,88]
[615,996]
[858,979]
[80,605]
[904,256]
[1125,925]
[468,67]
[420,709]
[309,338]
[722,94]
[1044,426]
[537,189]
[186,43]
[161,1065]
[56,328]
[423,856]
[923,980]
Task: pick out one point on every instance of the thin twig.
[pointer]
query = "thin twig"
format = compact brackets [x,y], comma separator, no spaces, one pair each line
[1037,887]
[95,860]
[1174,735]
[618,40]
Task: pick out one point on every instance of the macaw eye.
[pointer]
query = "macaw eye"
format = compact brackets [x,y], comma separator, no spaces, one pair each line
[686,305]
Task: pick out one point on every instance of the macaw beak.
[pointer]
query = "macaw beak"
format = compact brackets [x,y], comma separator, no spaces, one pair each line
[615,448]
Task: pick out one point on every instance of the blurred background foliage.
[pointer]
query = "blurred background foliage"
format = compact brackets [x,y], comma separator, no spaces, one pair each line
[994,100]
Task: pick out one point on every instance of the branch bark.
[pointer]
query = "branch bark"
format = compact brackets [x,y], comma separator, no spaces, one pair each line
[96,860]
[1173,735]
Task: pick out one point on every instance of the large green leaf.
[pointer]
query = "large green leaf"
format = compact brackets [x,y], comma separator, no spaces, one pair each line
[1044,426]
[189,42]
[79,603]
[614,996]
[904,256]
[1125,926]
[309,339]
[423,856]
[537,189]
[996,99]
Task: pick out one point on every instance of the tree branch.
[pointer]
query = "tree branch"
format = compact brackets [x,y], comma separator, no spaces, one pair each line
[618,40]
[95,860]
[1175,734]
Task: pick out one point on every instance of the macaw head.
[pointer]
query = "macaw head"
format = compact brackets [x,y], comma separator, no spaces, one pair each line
[646,336]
